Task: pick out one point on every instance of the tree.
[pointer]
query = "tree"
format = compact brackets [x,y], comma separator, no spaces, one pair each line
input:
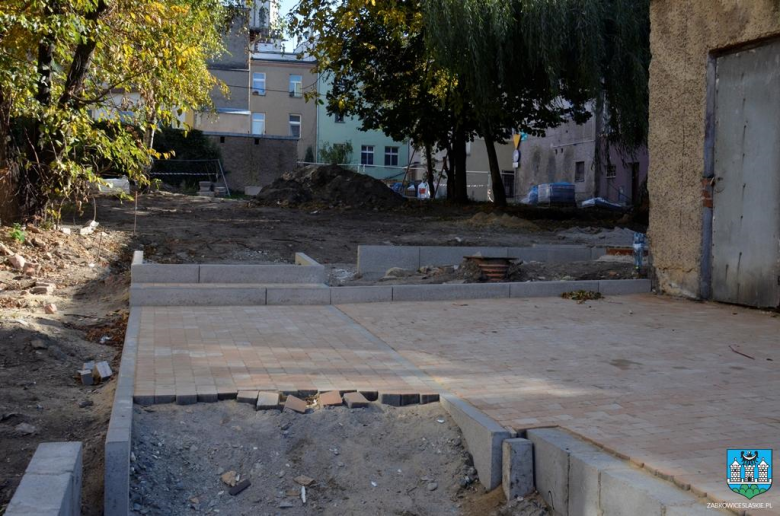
[61,62]
[376,58]
[336,154]
[528,64]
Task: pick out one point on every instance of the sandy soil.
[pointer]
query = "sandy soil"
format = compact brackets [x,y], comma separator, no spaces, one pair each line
[378,460]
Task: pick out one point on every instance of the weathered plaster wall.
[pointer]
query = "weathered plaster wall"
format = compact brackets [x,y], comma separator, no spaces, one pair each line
[255,161]
[684,34]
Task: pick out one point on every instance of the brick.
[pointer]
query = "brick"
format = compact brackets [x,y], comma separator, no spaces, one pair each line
[428,397]
[226,392]
[164,395]
[102,371]
[186,396]
[369,395]
[86,377]
[330,399]
[207,393]
[296,404]
[247,397]
[398,399]
[355,400]
[267,400]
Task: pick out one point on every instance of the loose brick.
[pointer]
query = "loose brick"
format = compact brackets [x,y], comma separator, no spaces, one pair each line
[238,488]
[267,400]
[330,399]
[355,400]
[86,377]
[296,404]
[102,371]
[247,397]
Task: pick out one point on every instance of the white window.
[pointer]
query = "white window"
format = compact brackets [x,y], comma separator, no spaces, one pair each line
[296,85]
[295,126]
[367,155]
[258,83]
[391,156]
[258,123]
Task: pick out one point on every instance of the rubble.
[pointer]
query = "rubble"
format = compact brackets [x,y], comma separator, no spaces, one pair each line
[17,261]
[50,308]
[331,186]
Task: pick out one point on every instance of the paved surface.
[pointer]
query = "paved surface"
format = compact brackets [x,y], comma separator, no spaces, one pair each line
[652,378]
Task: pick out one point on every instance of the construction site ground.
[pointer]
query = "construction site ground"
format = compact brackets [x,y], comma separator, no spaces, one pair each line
[42,399]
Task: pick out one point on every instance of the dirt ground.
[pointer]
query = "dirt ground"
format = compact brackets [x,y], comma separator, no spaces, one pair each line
[40,353]
[378,460]
[41,399]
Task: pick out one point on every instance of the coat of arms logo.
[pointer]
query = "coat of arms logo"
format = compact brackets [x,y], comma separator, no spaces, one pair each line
[749,472]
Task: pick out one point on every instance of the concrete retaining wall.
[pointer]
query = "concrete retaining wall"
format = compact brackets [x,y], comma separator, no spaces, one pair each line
[156,294]
[116,497]
[51,485]
[375,260]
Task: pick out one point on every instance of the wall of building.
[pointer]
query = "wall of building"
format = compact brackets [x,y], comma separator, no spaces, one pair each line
[332,132]
[255,161]
[278,105]
[684,33]
[619,189]
[234,123]
[232,67]
[553,157]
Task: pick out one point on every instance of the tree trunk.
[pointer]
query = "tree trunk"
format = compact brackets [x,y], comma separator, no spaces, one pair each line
[431,170]
[499,194]
[461,194]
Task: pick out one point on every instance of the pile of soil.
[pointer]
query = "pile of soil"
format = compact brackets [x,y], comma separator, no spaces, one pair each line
[329,186]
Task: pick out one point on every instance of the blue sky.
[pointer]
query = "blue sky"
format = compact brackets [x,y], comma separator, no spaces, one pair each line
[285,6]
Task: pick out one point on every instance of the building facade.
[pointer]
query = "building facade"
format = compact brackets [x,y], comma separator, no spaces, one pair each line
[279,99]
[714,160]
[373,152]
[567,153]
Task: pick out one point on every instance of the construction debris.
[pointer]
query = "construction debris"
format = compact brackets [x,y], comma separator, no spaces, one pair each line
[580,296]
[102,371]
[329,186]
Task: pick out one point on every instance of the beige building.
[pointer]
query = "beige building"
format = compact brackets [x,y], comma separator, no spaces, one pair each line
[277,102]
[714,178]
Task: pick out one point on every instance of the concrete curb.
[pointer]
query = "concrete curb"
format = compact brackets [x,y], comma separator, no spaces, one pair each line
[116,497]
[577,478]
[51,485]
[230,294]
[484,438]
[375,260]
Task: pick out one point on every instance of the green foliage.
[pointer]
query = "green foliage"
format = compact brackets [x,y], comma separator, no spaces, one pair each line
[749,491]
[134,65]
[17,233]
[181,145]
[336,154]
[309,156]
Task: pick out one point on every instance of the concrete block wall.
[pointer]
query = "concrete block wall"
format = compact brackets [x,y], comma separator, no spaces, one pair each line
[51,485]
[375,260]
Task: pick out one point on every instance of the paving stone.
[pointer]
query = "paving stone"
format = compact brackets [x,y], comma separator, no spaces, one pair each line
[267,400]
[86,377]
[207,393]
[102,371]
[398,399]
[331,399]
[247,397]
[240,487]
[186,396]
[355,400]
[164,395]
[427,397]
[369,395]
[226,393]
[296,404]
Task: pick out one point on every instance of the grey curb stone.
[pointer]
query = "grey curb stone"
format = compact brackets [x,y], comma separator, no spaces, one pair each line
[346,295]
[164,273]
[52,482]
[450,292]
[196,295]
[258,274]
[314,295]
[632,492]
[550,288]
[483,438]
[624,287]
[517,468]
